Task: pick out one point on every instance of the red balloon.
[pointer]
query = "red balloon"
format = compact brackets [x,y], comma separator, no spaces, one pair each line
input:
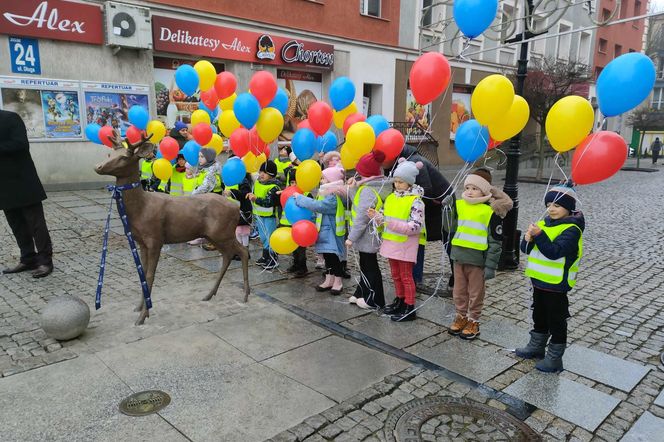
[598,157]
[429,77]
[493,143]
[210,99]
[105,135]
[287,193]
[202,133]
[225,85]
[352,119]
[390,142]
[133,134]
[304,233]
[256,144]
[304,124]
[169,148]
[263,86]
[239,141]
[320,117]
[267,151]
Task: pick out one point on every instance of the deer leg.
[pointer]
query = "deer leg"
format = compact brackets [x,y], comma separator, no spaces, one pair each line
[153,259]
[243,252]
[227,257]
[144,263]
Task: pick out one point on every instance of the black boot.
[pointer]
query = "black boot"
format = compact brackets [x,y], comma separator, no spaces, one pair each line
[263,259]
[408,314]
[553,362]
[396,307]
[536,346]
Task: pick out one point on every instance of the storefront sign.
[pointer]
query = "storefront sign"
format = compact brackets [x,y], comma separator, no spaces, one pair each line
[52,19]
[205,40]
[24,55]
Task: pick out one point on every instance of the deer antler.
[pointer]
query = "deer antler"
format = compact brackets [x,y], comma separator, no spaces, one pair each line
[116,139]
[131,147]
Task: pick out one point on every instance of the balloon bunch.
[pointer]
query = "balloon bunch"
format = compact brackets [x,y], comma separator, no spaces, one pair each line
[140,125]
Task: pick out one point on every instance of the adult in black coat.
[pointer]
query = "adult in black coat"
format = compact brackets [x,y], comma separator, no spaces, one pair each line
[435,187]
[180,133]
[22,198]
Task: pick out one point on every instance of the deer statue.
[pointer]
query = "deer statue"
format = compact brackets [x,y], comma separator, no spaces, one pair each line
[157,218]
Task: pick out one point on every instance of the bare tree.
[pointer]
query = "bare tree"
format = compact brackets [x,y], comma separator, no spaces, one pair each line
[548,81]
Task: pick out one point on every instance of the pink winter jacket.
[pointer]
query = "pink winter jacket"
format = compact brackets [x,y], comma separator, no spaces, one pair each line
[405,251]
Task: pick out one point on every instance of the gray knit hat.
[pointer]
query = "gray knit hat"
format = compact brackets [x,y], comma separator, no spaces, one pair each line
[407,170]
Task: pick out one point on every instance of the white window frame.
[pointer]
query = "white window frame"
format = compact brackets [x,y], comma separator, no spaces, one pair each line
[569,49]
[589,54]
[364,8]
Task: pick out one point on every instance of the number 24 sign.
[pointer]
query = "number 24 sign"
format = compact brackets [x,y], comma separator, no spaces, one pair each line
[24,54]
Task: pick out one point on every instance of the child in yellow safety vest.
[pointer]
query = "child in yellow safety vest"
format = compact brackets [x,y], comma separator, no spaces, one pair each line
[402,219]
[299,266]
[554,246]
[179,172]
[265,202]
[475,226]
[331,223]
[189,180]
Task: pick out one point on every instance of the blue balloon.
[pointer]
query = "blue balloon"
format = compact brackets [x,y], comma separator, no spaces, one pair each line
[190,151]
[280,101]
[187,79]
[342,93]
[295,213]
[379,123]
[233,171]
[138,116]
[92,132]
[472,140]
[327,142]
[247,109]
[474,16]
[624,83]
[304,144]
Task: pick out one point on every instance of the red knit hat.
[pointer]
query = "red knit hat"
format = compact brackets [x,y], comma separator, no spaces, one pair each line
[370,164]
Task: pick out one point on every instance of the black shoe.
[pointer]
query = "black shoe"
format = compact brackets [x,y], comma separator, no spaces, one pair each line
[263,259]
[345,273]
[21,267]
[300,273]
[408,314]
[272,263]
[396,307]
[42,270]
[292,269]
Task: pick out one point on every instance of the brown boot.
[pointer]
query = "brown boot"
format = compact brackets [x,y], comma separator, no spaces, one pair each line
[458,325]
[471,330]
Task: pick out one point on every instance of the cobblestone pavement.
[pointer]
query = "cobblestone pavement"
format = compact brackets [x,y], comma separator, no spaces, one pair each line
[617,307]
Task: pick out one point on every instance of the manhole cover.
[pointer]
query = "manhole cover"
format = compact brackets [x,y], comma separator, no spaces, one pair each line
[445,418]
[144,403]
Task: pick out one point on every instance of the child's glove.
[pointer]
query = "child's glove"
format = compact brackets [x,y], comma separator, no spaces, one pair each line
[489,273]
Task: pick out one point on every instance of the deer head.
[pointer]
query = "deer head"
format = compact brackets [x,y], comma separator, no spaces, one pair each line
[122,162]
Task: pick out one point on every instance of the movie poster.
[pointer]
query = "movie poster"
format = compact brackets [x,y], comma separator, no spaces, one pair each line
[27,104]
[417,113]
[460,109]
[108,104]
[61,114]
[303,89]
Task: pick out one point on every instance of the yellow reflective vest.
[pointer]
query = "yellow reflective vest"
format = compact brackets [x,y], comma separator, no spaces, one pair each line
[146,170]
[473,225]
[231,197]
[398,208]
[176,183]
[201,177]
[339,217]
[188,185]
[551,271]
[281,166]
[261,190]
[356,202]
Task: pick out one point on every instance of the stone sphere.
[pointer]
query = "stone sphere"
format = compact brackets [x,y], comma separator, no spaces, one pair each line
[65,317]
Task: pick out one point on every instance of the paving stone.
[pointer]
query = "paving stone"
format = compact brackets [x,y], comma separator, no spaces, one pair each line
[398,335]
[316,421]
[330,431]
[438,311]
[213,264]
[660,399]
[302,431]
[504,333]
[646,428]
[560,397]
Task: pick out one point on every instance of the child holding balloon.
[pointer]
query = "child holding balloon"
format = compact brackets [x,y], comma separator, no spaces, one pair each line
[299,266]
[238,193]
[265,202]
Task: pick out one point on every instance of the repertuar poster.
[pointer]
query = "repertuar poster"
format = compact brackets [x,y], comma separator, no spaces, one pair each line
[61,114]
[27,104]
[111,109]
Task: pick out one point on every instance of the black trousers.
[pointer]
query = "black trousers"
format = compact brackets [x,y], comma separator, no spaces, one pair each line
[300,258]
[550,313]
[371,281]
[333,264]
[29,228]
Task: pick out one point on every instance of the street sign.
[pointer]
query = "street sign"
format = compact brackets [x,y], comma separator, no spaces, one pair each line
[24,55]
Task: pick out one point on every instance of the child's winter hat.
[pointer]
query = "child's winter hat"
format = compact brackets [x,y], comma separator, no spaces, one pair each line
[288,149]
[179,125]
[563,195]
[328,156]
[333,174]
[407,170]
[269,168]
[480,178]
[370,164]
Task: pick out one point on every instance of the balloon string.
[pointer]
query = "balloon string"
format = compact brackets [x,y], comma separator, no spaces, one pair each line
[464,49]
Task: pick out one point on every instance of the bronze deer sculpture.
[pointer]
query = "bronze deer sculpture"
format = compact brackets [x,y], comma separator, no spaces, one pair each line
[157,218]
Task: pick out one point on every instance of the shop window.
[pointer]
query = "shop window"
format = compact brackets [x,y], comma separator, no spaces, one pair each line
[370,7]
[617,50]
[602,46]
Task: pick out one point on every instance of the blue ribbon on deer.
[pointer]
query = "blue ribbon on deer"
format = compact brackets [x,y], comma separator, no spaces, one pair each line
[117,196]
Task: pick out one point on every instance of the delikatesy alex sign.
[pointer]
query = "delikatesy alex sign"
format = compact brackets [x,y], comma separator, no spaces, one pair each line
[187,37]
[52,19]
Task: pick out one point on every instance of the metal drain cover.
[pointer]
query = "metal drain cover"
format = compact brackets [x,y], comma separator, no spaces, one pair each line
[445,418]
[144,403]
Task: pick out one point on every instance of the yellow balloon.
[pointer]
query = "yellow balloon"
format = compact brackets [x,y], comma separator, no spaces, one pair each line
[270,124]
[199,116]
[228,122]
[217,143]
[207,74]
[512,122]
[568,122]
[360,138]
[162,169]
[491,99]
[308,175]
[227,103]
[252,162]
[340,117]
[281,241]
[348,159]
[157,129]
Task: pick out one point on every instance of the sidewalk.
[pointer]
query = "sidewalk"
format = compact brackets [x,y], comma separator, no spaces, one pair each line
[293,364]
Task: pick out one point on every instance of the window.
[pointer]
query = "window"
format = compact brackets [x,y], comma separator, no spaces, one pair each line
[427,12]
[564,41]
[617,50]
[623,9]
[598,70]
[637,8]
[631,50]
[505,25]
[584,48]
[370,7]
[602,46]
[606,13]
[657,98]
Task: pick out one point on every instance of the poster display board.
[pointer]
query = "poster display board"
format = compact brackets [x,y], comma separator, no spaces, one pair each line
[108,104]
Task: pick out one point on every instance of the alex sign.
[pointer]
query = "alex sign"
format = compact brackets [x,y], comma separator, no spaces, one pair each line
[52,19]
[205,40]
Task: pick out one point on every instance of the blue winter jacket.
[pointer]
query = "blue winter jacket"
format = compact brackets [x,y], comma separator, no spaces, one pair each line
[565,245]
[328,241]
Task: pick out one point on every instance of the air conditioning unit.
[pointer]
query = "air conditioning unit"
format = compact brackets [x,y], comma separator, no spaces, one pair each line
[128,26]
